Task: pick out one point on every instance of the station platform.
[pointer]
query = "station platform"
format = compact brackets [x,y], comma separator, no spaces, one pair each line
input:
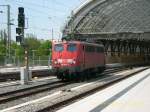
[129,95]
[17,69]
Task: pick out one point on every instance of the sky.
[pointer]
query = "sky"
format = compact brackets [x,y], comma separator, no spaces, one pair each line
[42,16]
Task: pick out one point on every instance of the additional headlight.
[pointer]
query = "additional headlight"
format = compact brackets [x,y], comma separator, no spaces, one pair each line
[60,61]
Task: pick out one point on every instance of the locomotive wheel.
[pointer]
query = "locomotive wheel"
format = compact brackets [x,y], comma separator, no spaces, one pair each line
[87,74]
[101,69]
[75,76]
[69,76]
[58,75]
[61,76]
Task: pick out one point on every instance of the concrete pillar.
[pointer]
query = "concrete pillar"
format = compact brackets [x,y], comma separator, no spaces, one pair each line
[24,76]
[30,75]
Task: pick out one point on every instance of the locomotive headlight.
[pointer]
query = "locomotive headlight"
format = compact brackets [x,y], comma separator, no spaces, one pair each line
[55,62]
[74,62]
[71,61]
[58,61]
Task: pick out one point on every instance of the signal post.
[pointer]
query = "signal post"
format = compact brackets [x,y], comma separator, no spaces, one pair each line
[20,39]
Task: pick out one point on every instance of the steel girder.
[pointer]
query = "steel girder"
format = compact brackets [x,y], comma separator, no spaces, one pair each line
[118,43]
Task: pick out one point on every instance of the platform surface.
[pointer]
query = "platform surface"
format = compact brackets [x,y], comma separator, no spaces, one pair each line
[130,95]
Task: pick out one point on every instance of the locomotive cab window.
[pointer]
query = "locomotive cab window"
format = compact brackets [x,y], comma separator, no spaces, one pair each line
[100,49]
[89,48]
[71,47]
[59,48]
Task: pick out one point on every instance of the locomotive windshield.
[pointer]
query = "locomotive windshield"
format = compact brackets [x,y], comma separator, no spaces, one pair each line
[71,47]
[59,48]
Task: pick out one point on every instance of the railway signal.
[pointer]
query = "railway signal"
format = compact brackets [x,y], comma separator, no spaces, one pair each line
[20,39]
[18,31]
[21,17]
[21,26]
[19,36]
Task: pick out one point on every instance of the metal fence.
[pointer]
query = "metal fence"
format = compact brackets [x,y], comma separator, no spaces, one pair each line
[19,61]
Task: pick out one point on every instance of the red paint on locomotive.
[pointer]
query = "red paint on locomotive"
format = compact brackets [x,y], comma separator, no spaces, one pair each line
[76,57]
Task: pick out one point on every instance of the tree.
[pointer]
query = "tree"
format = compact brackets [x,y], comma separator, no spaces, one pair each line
[3,36]
[39,47]
[16,50]
[32,42]
[2,48]
[45,48]
[2,52]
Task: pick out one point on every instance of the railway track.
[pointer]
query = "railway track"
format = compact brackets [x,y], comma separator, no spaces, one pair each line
[27,92]
[17,95]
[60,98]
[5,97]
[16,76]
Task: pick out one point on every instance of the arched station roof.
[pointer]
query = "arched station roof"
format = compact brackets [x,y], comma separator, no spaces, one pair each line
[110,16]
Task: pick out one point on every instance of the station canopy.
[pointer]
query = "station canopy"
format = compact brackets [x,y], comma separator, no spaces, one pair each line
[102,18]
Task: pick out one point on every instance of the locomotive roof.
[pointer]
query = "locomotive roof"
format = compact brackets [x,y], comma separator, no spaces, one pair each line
[79,42]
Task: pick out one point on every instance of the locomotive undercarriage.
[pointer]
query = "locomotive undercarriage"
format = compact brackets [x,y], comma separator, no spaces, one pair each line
[78,75]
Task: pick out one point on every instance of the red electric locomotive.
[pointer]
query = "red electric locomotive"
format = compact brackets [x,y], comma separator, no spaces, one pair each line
[75,59]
